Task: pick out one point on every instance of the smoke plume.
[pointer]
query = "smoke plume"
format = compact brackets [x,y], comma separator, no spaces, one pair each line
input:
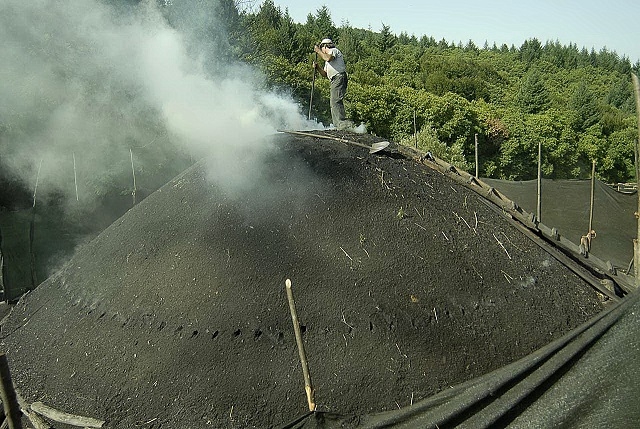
[91,90]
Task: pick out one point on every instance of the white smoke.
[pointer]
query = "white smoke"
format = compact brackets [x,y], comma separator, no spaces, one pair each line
[84,81]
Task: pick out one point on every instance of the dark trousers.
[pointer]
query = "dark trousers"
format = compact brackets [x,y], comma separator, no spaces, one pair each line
[338,91]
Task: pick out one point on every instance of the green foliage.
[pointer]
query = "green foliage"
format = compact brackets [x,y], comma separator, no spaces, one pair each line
[385,39]
[616,165]
[427,140]
[321,25]
[532,95]
[457,72]
[374,106]
[578,104]
[452,116]
[584,103]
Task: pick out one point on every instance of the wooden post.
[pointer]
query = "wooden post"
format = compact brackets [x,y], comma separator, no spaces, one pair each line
[35,188]
[593,183]
[313,87]
[636,255]
[303,357]
[415,129]
[477,166]
[8,396]
[75,175]
[133,171]
[539,203]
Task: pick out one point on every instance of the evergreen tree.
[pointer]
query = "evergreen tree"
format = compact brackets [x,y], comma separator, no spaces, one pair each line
[532,96]
[321,25]
[531,50]
[386,39]
[584,104]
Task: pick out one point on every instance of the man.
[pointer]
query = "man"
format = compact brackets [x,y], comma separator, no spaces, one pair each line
[335,70]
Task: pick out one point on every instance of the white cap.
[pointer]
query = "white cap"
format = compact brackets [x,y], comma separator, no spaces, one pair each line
[326,42]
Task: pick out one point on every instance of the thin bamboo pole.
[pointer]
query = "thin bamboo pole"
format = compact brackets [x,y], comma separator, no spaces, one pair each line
[133,171]
[35,188]
[75,175]
[636,253]
[477,166]
[303,357]
[539,200]
[593,183]
[415,129]
[313,87]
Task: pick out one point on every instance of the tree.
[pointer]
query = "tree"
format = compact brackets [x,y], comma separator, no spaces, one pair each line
[427,141]
[321,25]
[620,95]
[585,106]
[575,101]
[532,95]
[386,39]
[531,50]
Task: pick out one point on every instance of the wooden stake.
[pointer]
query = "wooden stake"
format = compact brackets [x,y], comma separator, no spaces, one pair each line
[477,166]
[593,183]
[75,175]
[8,395]
[133,171]
[539,200]
[636,253]
[415,129]
[303,358]
[35,189]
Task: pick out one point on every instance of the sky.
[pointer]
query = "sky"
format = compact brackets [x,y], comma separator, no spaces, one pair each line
[598,24]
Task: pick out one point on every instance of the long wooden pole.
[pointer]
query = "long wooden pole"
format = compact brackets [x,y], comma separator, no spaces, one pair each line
[477,166]
[636,253]
[133,172]
[415,129]
[539,203]
[75,175]
[313,87]
[593,184]
[8,395]
[35,188]
[303,357]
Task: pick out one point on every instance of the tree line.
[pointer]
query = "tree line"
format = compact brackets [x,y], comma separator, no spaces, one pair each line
[440,96]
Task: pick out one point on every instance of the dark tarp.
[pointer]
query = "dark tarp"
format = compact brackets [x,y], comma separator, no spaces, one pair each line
[565,205]
[588,378]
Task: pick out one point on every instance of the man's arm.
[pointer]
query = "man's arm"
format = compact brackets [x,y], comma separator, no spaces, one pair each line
[319,69]
[325,56]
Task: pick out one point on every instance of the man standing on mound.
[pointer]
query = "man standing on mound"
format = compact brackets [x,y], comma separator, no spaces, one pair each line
[336,70]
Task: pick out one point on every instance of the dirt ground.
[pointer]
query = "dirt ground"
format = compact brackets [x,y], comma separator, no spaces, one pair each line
[176,316]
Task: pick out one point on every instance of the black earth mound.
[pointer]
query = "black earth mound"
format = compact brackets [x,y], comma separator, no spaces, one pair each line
[176,315]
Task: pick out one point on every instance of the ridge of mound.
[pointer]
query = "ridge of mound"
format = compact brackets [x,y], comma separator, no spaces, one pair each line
[176,315]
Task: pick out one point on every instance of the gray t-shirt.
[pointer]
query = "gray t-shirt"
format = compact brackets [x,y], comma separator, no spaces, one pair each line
[336,65]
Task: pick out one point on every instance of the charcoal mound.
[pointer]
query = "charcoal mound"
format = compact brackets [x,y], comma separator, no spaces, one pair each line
[176,315]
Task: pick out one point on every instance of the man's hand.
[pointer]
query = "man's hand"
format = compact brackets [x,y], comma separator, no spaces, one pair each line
[319,69]
[317,49]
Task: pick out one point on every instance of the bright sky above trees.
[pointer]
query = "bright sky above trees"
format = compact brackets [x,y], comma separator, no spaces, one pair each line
[587,23]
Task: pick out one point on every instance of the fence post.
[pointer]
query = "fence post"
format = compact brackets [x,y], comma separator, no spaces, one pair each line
[477,166]
[593,184]
[539,201]
[636,253]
